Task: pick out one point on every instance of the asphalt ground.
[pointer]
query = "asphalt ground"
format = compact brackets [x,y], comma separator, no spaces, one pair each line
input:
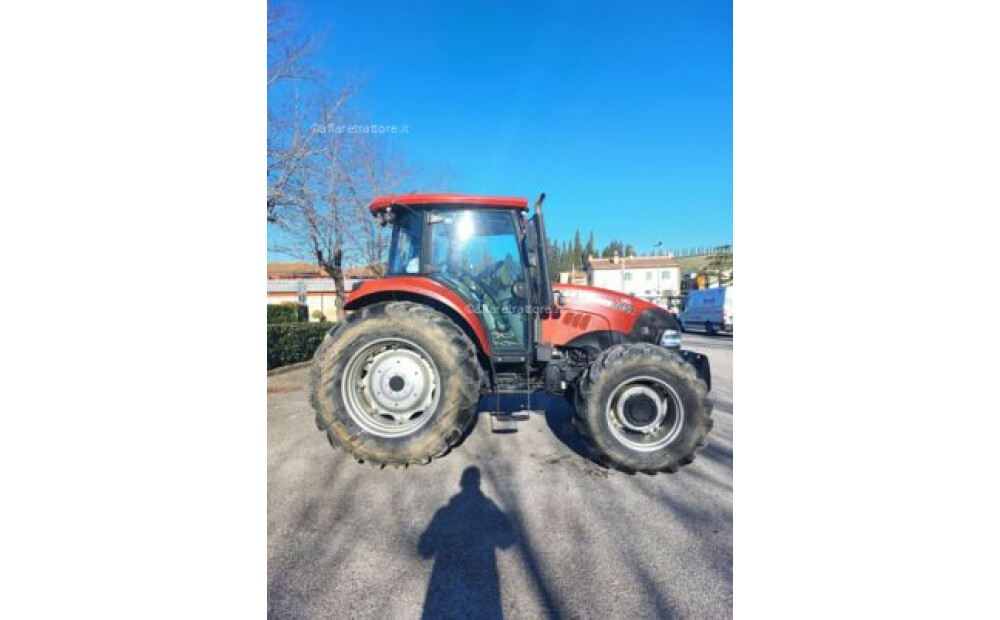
[516,525]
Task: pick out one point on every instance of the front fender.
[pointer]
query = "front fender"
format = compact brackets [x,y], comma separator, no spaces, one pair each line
[701,366]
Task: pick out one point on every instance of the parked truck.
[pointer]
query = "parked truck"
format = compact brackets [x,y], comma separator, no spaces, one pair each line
[709,310]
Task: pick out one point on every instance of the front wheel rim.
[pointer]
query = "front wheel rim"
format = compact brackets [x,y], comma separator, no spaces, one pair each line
[391,387]
[645,414]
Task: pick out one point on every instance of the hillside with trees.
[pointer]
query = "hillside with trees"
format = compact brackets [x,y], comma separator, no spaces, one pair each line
[713,261]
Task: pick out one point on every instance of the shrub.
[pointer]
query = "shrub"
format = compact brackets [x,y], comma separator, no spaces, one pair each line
[286,313]
[318,315]
[289,343]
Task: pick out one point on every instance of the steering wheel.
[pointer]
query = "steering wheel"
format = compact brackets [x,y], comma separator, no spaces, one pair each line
[479,287]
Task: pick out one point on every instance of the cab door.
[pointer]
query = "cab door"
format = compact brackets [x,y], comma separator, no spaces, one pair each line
[477,253]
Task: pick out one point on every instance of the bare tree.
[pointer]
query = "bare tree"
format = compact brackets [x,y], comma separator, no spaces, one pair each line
[289,147]
[326,213]
[288,55]
[373,171]
[288,52]
[321,172]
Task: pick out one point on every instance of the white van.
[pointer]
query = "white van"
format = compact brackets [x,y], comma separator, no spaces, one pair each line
[709,310]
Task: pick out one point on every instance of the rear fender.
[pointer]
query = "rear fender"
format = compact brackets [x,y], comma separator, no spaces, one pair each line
[422,290]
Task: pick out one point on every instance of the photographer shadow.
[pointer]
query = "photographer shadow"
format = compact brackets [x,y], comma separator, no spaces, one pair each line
[463,537]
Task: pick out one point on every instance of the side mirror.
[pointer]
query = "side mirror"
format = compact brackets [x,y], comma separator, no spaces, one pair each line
[519,290]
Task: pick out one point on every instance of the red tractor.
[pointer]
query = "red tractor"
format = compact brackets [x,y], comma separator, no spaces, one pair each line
[468,308]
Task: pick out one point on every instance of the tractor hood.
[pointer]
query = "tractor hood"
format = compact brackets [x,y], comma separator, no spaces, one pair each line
[576,294]
[588,309]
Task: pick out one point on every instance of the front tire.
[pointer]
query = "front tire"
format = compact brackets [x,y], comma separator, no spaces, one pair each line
[641,407]
[395,383]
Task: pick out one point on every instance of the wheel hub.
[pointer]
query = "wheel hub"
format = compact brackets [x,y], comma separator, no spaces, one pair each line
[640,409]
[390,387]
[399,383]
[645,414]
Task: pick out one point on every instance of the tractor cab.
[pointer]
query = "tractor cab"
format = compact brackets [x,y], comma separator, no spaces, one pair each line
[484,250]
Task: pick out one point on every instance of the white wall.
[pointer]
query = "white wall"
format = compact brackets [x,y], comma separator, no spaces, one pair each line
[643,281]
[607,279]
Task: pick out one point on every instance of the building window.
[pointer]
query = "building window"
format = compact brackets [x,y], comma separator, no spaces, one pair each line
[627,276]
[665,275]
[649,275]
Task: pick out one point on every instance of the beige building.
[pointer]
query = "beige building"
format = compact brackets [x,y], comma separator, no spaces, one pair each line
[647,277]
[305,282]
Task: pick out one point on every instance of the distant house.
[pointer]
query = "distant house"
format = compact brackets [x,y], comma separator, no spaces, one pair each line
[573,277]
[648,277]
[291,282]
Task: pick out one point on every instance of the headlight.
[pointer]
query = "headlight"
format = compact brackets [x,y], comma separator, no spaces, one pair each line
[671,338]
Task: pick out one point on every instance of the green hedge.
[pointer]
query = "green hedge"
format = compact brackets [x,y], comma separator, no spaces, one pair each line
[287,313]
[294,342]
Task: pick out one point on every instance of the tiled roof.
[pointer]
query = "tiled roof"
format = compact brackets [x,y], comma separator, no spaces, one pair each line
[294,269]
[360,273]
[311,270]
[633,262]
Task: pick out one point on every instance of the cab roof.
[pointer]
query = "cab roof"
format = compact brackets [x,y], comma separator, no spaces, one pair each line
[427,200]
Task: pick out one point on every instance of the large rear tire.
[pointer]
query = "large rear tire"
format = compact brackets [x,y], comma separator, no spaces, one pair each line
[641,407]
[396,383]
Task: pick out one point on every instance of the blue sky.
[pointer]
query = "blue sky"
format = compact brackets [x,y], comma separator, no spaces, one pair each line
[620,112]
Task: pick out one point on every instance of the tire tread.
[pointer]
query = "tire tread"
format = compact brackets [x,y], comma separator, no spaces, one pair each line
[614,357]
[444,330]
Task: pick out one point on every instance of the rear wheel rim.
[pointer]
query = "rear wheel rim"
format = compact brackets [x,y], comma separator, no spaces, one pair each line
[645,414]
[391,387]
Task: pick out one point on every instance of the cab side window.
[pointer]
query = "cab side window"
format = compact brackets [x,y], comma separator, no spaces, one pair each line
[404,255]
